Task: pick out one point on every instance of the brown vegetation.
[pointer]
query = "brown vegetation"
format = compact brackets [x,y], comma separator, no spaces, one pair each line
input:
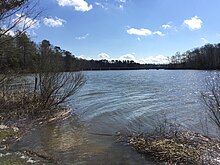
[27,98]
[179,146]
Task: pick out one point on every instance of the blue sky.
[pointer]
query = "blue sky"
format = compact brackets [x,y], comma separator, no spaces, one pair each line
[147,31]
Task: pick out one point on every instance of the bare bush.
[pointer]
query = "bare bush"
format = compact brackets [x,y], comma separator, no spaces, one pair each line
[21,97]
[56,88]
[211,98]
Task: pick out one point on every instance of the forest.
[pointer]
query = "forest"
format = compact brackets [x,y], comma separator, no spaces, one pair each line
[19,53]
[206,57]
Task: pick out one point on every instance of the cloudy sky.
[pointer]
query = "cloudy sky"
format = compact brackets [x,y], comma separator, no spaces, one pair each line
[147,31]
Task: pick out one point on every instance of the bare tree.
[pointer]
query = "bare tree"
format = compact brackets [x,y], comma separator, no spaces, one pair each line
[52,86]
[211,98]
[17,15]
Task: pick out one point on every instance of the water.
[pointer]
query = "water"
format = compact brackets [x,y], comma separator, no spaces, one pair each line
[126,101]
[115,100]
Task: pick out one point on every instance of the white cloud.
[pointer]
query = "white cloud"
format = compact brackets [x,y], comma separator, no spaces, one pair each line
[26,22]
[10,32]
[5,30]
[122,1]
[79,5]
[166,26]
[139,32]
[159,59]
[54,22]
[82,37]
[84,57]
[194,23]
[100,5]
[169,26]
[159,33]
[23,23]
[205,41]
[128,57]
[144,32]
[217,35]
[104,56]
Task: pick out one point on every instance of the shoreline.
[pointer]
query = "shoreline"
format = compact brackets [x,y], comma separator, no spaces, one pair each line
[16,130]
[178,147]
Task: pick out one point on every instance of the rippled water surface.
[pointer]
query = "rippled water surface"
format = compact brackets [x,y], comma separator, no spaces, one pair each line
[128,101]
[114,100]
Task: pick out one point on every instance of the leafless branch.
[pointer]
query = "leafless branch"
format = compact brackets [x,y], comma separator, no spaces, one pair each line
[211,98]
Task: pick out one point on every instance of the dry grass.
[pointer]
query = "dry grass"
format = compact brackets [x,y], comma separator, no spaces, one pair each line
[39,98]
[19,104]
[166,150]
[183,147]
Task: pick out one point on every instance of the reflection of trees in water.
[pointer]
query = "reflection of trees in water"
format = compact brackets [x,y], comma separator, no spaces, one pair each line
[68,142]
[61,137]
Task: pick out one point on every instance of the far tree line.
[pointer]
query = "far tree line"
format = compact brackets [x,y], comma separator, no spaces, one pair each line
[206,57]
[19,53]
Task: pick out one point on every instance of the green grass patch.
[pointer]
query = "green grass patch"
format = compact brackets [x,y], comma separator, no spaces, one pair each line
[13,161]
[9,134]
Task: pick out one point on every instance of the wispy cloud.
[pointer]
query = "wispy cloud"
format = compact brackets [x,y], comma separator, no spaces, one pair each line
[139,32]
[143,32]
[101,5]
[111,4]
[217,35]
[128,57]
[82,37]
[159,59]
[205,41]
[53,22]
[122,1]
[167,26]
[159,33]
[193,23]
[104,56]
[79,5]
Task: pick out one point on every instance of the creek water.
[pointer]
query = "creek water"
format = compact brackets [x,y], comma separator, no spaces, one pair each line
[125,101]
